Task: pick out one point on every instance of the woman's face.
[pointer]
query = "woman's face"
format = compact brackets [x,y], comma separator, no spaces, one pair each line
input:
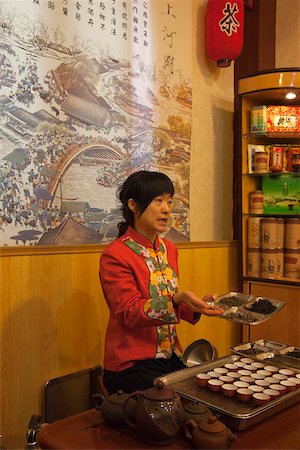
[155,218]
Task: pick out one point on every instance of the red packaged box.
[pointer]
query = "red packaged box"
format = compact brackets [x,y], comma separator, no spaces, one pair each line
[293,159]
[275,119]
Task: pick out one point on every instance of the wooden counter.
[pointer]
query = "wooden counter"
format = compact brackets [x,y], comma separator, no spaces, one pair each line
[88,431]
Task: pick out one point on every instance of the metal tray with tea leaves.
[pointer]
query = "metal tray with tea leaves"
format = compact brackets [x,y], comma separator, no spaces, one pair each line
[247,309]
[288,357]
[258,348]
[271,345]
[231,411]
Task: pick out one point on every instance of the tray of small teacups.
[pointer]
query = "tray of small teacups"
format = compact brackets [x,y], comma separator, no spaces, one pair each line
[245,308]
[241,390]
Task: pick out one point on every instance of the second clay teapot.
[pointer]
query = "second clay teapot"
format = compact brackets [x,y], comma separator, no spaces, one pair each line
[112,407]
[195,410]
[209,434]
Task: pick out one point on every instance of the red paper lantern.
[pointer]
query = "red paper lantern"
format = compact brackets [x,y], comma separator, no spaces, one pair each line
[224,30]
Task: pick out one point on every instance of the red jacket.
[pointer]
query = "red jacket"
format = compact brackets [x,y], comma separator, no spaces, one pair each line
[138,282]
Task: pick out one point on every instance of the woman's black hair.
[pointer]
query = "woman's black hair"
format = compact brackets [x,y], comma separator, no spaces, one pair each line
[142,187]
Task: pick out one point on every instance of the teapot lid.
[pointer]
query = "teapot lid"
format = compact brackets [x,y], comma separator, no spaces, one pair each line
[118,397]
[195,407]
[212,425]
[159,392]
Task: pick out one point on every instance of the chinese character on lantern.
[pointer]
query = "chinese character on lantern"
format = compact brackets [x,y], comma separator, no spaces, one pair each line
[229,23]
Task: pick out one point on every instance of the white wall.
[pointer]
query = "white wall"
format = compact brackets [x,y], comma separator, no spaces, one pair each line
[212,142]
[287,33]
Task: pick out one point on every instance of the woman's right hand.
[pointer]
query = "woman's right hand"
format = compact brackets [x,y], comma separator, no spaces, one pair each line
[196,304]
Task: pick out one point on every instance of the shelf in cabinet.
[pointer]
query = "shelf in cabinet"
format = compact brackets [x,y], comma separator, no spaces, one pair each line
[292,136]
[284,215]
[282,280]
[271,174]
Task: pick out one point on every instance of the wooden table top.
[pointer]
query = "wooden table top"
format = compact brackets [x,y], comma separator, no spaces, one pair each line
[88,431]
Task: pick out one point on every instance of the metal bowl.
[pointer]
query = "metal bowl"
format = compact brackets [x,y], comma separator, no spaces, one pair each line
[198,352]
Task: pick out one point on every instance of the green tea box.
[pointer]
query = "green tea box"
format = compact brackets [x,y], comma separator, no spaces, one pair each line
[259,119]
[281,194]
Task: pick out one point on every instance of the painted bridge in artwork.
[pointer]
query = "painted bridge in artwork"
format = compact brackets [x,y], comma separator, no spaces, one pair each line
[108,150]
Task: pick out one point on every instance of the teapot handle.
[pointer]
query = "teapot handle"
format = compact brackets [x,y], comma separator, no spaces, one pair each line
[232,437]
[129,422]
[189,427]
[98,399]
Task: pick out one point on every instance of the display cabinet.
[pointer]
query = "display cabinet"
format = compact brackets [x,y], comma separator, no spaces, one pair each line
[270,198]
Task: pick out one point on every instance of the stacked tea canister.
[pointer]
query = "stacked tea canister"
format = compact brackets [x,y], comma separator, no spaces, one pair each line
[273,247]
[292,248]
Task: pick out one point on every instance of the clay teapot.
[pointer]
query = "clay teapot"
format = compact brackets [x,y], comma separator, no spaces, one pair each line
[195,410]
[158,414]
[112,407]
[211,433]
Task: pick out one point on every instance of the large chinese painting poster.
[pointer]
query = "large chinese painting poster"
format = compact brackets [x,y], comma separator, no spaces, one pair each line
[90,92]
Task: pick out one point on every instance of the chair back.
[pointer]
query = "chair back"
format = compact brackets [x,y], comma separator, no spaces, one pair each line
[71,394]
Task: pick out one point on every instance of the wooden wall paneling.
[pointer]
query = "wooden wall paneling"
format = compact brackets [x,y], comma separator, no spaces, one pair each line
[283,326]
[266,34]
[258,52]
[53,320]
[52,323]
[209,270]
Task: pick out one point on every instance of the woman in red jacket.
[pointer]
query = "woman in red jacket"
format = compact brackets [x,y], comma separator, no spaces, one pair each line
[138,273]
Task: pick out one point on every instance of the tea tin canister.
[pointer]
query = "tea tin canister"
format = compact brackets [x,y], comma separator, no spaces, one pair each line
[292,233]
[254,232]
[253,262]
[292,263]
[261,162]
[280,233]
[269,263]
[276,159]
[269,232]
[256,202]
